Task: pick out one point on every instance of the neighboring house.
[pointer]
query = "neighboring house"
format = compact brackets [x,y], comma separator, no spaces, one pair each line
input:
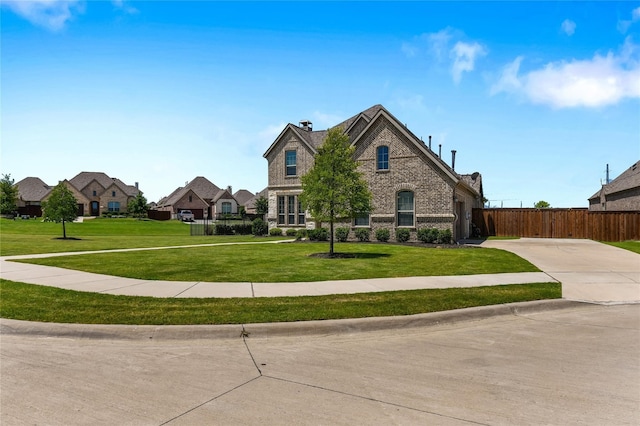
[412,187]
[250,205]
[32,191]
[621,194]
[95,192]
[197,196]
[242,196]
[224,203]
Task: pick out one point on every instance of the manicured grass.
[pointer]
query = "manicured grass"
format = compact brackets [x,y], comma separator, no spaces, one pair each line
[34,236]
[633,246]
[49,304]
[290,262]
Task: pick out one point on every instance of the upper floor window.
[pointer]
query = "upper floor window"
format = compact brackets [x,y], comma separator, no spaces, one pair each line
[382,155]
[405,212]
[290,163]
[226,207]
[113,193]
[95,193]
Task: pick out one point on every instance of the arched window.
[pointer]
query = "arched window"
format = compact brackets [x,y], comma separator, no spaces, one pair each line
[405,209]
[382,158]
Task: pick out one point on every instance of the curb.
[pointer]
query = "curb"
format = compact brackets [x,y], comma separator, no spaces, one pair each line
[285,329]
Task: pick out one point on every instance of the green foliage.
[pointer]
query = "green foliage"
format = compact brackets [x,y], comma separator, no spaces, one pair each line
[301,233]
[383,235]
[275,232]
[403,235]
[445,236]
[221,229]
[542,205]
[334,188]
[291,232]
[138,206]
[61,206]
[259,227]
[363,234]
[242,229]
[428,235]
[318,234]
[262,205]
[342,234]
[8,195]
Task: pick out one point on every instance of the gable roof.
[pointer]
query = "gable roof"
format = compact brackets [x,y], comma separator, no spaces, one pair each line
[242,196]
[202,186]
[629,179]
[223,194]
[251,203]
[32,189]
[82,179]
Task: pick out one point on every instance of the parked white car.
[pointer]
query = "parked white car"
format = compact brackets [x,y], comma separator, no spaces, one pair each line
[186,216]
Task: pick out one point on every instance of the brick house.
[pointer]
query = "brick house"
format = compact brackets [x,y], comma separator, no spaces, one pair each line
[621,194]
[95,192]
[200,196]
[412,187]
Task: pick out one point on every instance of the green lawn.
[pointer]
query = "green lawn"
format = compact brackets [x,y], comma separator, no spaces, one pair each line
[633,246]
[290,262]
[35,236]
[285,262]
[48,304]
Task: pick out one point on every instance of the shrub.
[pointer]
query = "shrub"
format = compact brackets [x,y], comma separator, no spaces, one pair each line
[428,235]
[362,234]
[318,234]
[242,229]
[301,233]
[291,232]
[342,234]
[382,235]
[403,235]
[223,229]
[259,227]
[445,236]
[275,232]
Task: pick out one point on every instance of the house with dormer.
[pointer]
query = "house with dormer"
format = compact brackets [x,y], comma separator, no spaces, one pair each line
[412,186]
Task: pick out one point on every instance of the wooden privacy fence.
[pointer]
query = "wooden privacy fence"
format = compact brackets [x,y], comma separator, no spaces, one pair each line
[558,223]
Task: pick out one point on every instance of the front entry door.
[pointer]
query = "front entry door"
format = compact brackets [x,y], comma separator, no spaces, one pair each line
[95,210]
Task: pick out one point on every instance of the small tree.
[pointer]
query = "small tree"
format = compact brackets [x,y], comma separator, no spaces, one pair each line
[334,189]
[61,206]
[542,205]
[138,206]
[262,205]
[8,195]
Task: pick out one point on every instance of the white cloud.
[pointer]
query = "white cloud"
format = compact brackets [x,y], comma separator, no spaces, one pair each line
[464,56]
[438,43]
[600,81]
[124,7]
[568,27]
[623,25]
[49,14]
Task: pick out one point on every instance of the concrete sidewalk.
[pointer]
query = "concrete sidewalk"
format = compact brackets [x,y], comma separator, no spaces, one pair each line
[589,271]
[84,281]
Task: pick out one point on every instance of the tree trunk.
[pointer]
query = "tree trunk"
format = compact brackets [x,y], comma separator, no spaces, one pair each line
[331,238]
[64,230]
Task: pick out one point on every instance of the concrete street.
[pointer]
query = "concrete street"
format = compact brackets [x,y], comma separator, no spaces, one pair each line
[559,362]
[574,365]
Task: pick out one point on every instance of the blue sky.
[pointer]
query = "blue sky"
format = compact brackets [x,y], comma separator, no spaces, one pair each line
[537,96]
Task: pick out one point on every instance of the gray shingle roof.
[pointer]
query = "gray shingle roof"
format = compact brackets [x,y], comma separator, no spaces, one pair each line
[629,179]
[32,189]
[242,196]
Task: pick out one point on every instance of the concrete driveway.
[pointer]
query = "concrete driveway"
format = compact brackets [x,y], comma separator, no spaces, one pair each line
[576,365]
[588,270]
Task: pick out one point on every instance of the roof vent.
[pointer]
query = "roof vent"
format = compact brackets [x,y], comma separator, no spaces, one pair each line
[306,125]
